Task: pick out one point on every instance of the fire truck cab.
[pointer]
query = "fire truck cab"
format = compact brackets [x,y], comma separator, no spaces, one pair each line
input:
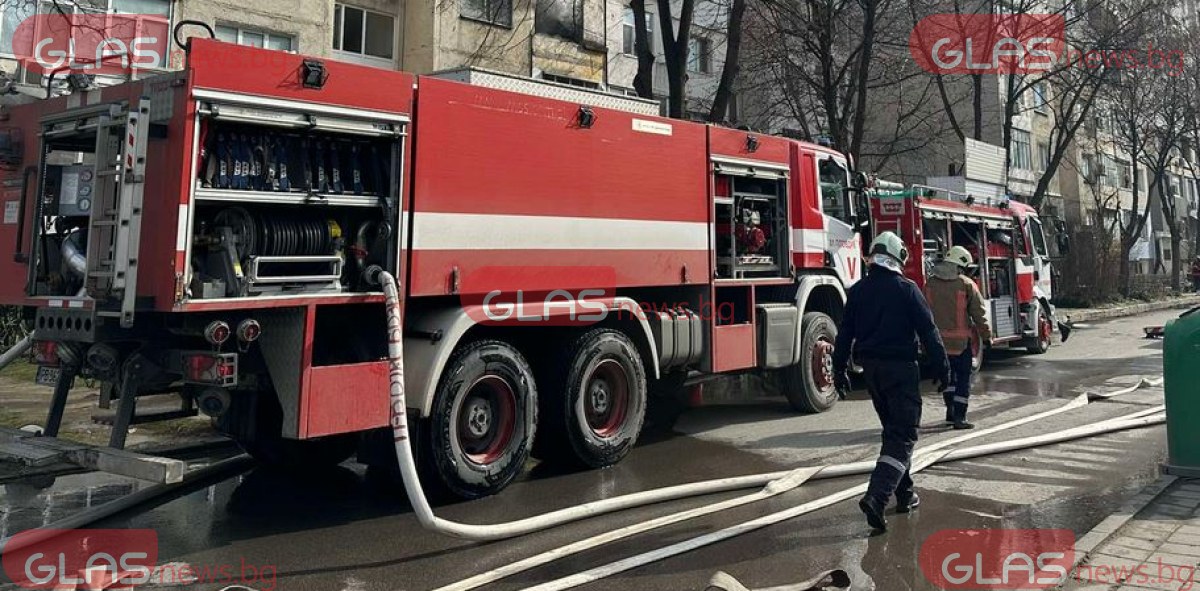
[1004,237]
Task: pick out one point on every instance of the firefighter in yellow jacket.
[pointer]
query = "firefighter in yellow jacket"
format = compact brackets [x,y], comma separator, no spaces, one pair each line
[958,311]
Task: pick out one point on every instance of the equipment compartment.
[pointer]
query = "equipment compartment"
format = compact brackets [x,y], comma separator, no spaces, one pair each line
[270,249]
[292,203]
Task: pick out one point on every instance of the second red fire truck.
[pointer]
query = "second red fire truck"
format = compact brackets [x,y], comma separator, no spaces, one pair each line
[213,234]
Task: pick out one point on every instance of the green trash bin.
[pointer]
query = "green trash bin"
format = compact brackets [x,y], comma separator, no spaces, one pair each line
[1181,371]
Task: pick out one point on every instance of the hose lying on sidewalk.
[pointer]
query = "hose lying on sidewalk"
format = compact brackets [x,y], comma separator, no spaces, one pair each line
[498,531]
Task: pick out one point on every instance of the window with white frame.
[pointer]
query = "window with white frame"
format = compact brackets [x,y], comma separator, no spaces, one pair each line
[699,55]
[1043,154]
[12,13]
[256,38]
[629,31]
[364,32]
[1020,154]
[497,12]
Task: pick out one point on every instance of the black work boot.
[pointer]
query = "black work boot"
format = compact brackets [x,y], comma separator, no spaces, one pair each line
[906,502]
[963,425]
[949,398]
[873,509]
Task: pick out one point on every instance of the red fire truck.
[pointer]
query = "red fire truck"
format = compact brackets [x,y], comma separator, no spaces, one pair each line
[212,233]
[1006,240]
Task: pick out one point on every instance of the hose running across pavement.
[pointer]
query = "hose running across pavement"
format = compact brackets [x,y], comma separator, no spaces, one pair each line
[775,482]
[1138,419]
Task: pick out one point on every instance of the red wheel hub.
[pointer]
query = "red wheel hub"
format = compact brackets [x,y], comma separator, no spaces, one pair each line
[606,398]
[487,419]
[1044,328]
[822,364]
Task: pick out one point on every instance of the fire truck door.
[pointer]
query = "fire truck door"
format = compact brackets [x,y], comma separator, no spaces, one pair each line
[1043,281]
[842,241]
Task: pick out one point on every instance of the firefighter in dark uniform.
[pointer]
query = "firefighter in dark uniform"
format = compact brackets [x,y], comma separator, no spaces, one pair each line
[885,317]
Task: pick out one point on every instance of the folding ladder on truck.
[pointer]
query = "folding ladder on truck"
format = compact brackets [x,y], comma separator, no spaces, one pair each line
[115,228]
[117,182]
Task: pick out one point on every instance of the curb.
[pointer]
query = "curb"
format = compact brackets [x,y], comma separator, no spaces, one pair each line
[1090,314]
[1104,530]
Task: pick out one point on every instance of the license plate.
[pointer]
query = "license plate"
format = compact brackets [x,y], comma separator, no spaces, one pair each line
[47,376]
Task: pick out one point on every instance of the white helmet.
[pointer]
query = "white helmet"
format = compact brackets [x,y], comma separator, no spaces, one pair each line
[889,243]
[959,256]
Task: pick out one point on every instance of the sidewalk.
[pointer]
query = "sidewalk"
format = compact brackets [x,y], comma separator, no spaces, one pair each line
[1103,313]
[1153,542]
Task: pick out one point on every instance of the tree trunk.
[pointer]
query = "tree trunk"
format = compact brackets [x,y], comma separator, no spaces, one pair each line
[643,81]
[870,8]
[1176,257]
[675,50]
[1125,281]
[729,71]
[977,105]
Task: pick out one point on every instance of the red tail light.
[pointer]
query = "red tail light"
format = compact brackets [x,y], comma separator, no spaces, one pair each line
[210,368]
[45,353]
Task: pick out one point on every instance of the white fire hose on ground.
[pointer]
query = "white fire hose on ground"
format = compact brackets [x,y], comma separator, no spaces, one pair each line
[780,481]
[775,483]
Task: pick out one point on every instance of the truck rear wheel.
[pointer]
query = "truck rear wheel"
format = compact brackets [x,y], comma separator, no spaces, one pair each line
[271,449]
[596,401]
[808,385]
[483,420]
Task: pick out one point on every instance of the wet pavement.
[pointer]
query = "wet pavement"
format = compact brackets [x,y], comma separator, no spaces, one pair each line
[341,530]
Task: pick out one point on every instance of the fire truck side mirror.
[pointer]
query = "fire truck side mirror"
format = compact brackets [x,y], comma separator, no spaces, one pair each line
[858,180]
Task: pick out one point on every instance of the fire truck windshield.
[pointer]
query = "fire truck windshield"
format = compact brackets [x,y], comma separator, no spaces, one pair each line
[1035,234]
[834,198]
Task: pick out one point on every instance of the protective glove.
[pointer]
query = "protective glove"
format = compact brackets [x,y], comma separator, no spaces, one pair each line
[942,379]
[841,382]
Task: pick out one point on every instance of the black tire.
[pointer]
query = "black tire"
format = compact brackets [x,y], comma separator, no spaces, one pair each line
[596,401]
[267,444]
[482,423]
[1045,332]
[666,400]
[800,382]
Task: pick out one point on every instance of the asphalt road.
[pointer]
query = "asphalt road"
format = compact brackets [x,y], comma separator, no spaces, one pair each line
[339,530]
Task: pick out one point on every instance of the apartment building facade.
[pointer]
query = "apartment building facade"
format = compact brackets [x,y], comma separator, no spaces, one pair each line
[584,43]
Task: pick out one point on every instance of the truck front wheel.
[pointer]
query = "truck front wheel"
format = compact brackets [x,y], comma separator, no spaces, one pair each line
[596,401]
[808,385]
[1041,341]
[483,420]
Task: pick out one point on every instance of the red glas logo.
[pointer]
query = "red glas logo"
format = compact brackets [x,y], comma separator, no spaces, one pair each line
[535,294]
[81,558]
[987,43]
[998,558]
[92,43]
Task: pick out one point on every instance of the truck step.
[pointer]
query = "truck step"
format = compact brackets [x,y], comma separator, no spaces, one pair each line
[32,450]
